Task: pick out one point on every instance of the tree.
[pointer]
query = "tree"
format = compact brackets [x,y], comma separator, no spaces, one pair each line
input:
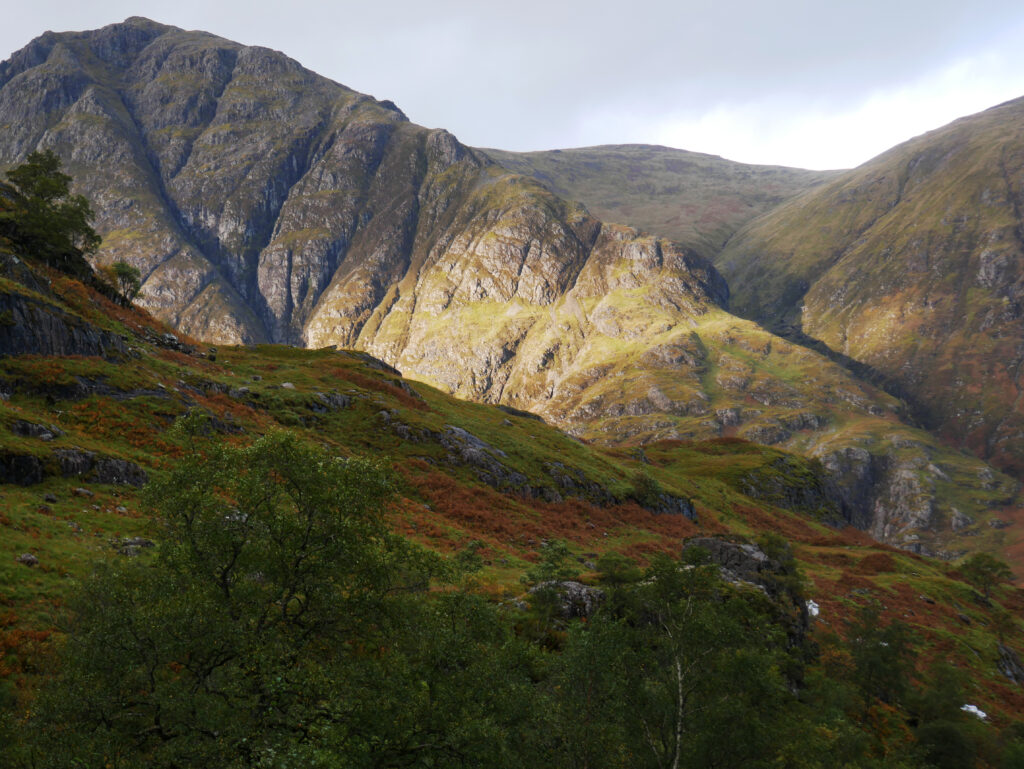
[984,571]
[616,569]
[40,216]
[882,655]
[255,637]
[128,279]
[699,672]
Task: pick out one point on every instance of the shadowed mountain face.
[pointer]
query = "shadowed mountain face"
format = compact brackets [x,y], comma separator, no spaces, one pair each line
[265,203]
[911,264]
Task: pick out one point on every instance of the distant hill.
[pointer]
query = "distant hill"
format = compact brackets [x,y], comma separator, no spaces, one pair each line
[912,264]
[696,199]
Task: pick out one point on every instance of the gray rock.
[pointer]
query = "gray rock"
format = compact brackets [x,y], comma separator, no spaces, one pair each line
[32,430]
[1009,664]
[738,562]
[575,600]
[39,328]
[332,401]
[100,469]
[132,546]
[27,559]
[960,521]
[21,469]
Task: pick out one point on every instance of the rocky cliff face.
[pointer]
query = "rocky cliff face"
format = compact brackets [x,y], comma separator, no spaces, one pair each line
[34,322]
[264,203]
[912,264]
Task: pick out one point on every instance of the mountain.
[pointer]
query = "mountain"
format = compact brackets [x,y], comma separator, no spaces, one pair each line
[688,197]
[262,202]
[90,389]
[332,564]
[913,266]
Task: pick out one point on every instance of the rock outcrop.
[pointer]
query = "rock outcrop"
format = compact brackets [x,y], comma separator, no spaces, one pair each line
[574,599]
[262,202]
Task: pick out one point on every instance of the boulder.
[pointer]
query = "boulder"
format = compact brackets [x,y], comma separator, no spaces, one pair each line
[575,600]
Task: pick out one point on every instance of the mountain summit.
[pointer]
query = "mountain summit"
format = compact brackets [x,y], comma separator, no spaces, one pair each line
[262,202]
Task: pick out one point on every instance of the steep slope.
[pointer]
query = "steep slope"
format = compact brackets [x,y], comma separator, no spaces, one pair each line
[689,197]
[912,265]
[263,202]
[92,430]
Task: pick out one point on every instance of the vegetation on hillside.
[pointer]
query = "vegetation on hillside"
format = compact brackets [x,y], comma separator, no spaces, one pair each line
[239,640]
[41,218]
[281,623]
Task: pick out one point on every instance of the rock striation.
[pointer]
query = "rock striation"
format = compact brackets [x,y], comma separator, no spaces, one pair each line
[262,202]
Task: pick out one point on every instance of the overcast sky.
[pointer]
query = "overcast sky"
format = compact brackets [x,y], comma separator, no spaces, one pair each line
[824,84]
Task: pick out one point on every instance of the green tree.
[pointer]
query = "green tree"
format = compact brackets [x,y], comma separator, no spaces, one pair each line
[984,571]
[128,279]
[688,674]
[40,216]
[881,655]
[555,564]
[645,490]
[616,569]
[255,638]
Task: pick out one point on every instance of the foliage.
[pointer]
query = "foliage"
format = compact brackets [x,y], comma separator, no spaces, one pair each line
[128,280]
[984,571]
[646,491]
[680,671]
[276,576]
[881,655]
[555,564]
[616,569]
[40,216]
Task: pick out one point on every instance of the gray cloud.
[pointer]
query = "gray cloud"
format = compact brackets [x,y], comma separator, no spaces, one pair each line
[534,74]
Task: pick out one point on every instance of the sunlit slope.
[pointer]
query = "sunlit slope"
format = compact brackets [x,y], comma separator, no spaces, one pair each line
[911,264]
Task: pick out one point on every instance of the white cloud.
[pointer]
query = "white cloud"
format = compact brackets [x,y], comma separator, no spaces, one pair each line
[790,133]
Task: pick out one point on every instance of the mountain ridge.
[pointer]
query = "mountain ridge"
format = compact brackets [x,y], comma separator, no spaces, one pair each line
[261,201]
[693,198]
[924,238]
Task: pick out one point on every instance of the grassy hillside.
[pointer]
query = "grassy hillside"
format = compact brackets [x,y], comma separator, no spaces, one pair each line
[78,432]
[696,199]
[911,266]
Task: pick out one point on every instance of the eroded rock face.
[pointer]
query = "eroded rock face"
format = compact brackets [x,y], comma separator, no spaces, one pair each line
[29,325]
[742,563]
[262,202]
[575,600]
[1009,664]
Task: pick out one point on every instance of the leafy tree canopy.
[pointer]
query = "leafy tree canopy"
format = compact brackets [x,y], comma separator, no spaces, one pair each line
[128,280]
[43,220]
[984,571]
